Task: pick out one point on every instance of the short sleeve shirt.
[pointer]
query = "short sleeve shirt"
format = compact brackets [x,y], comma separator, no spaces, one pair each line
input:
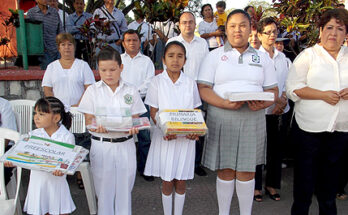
[68,84]
[209,27]
[61,135]
[99,96]
[226,70]
[164,94]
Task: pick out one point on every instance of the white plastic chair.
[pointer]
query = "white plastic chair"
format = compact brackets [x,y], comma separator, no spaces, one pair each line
[78,126]
[78,122]
[25,109]
[9,206]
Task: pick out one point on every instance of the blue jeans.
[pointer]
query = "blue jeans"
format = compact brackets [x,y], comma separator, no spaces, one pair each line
[144,142]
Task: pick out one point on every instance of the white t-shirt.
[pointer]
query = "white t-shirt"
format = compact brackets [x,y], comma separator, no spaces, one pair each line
[226,70]
[100,98]
[196,50]
[317,69]
[68,84]
[7,117]
[164,94]
[137,71]
[209,27]
[282,69]
[146,30]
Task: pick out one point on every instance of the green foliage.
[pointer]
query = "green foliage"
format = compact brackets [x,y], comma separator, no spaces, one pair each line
[302,16]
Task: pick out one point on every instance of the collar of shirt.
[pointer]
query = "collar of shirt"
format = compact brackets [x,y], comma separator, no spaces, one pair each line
[38,10]
[57,132]
[228,47]
[136,56]
[101,83]
[276,52]
[178,82]
[113,10]
[182,40]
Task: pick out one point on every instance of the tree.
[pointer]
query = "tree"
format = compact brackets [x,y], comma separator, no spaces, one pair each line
[301,17]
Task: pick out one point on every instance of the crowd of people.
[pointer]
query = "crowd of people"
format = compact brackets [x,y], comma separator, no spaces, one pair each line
[233,54]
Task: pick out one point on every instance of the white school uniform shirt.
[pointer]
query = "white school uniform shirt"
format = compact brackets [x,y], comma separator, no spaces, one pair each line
[282,69]
[196,50]
[317,69]
[99,96]
[209,27]
[137,71]
[146,30]
[7,116]
[164,94]
[226,70]
[68,84]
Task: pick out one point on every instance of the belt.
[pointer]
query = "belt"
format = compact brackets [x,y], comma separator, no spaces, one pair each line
[112,140]
[112,41]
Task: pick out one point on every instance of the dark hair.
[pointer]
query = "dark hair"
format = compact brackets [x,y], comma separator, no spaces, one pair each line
[247,8]
[206,5]
[221,4]
[109,53]
[264,22]
[236,11]
[189,12]
[173,43]
[53,105]
[341,15]
[131,31]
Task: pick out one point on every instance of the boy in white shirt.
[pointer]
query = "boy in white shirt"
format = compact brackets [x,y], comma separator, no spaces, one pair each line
[112,154]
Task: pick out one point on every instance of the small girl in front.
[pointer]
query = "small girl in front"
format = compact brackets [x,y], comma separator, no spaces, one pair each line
[172,157]
[112,155]
[49,193]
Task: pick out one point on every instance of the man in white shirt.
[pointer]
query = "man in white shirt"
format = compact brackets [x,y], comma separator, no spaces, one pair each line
[145,31]
[138,70]
[196,50]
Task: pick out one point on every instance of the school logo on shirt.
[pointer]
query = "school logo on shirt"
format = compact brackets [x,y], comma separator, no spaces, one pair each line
[224,58]
[255,58]
[128,99]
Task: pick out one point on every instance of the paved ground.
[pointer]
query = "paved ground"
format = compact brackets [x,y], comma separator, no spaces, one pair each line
[200,198]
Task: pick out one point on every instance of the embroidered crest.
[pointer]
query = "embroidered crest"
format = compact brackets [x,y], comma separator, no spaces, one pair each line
[224,58]
[128,99]
[255,58]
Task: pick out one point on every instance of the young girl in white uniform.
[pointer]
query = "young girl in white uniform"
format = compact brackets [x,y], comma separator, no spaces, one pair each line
[49,193]
[172,157]
[112,154]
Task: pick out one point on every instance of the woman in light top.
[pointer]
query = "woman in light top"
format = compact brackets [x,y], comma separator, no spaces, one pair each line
[237,130]
[318,84]
[208,28]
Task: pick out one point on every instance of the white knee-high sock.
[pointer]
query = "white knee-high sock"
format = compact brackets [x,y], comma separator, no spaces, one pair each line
[224,190]
[179,201]
[245,193]
[167,204]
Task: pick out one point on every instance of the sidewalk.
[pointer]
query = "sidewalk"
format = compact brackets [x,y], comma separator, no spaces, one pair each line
[200,198]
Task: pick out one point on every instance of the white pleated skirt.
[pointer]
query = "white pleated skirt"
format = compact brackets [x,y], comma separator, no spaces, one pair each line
[174,159]
[48,194]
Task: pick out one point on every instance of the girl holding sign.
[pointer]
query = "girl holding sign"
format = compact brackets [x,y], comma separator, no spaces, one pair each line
[49,193]
[170,157]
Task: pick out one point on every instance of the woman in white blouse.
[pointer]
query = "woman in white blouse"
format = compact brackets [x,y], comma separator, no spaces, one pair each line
[318,84]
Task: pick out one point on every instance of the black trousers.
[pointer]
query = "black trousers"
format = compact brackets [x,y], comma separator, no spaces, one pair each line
[316,169]
[343,178]
[82,50]
[275,140]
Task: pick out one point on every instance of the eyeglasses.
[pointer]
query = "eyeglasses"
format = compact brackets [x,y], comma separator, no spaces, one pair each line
[269,33]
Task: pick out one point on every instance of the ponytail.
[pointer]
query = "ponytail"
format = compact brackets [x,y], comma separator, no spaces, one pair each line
[66,119]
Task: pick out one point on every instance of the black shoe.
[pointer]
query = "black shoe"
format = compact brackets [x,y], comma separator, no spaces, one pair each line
[147,178]
[200,171]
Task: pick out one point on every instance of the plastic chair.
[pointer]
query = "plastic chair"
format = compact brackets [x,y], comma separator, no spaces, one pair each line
[78,122]
[9,206]
[78,126]
[25,109]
